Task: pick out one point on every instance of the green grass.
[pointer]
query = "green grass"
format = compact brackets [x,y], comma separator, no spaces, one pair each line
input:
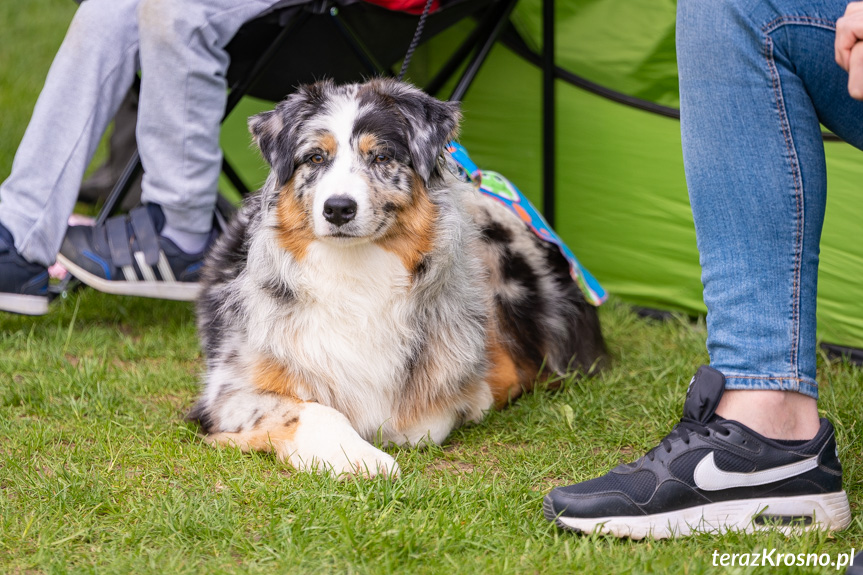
[100,473]
[31,32]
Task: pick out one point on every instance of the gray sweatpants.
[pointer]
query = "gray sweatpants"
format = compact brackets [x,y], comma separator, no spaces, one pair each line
[179,47]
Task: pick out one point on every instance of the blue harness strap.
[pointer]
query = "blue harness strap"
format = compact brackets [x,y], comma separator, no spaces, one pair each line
[496,186]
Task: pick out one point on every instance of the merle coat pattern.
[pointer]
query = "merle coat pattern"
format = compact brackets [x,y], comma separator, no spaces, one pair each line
[366,294]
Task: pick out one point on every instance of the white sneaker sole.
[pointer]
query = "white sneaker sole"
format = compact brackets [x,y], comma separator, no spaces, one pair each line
[24,304]
[826,512]
[180,291]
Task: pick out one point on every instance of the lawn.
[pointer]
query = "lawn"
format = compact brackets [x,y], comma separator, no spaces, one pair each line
[100,473]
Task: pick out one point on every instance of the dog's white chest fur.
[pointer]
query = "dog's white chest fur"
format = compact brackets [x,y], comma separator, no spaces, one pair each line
[350,333]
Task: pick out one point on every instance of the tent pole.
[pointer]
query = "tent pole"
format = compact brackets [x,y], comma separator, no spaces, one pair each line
[548,112]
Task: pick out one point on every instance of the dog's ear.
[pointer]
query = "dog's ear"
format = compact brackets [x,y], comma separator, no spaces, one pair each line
[432,124]
[275,132]
[268,131]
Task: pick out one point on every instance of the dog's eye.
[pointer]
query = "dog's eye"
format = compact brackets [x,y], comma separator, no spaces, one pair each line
[317,159]
[381,159]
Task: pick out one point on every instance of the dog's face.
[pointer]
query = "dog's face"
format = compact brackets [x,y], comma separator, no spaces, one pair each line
[352,162]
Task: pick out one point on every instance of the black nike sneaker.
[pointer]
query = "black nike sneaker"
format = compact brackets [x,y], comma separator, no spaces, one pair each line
[711,475]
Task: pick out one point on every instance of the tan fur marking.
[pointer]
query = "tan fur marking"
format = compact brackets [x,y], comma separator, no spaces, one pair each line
[367,143]
[270,434]
[503,374]
[412,236]
[270,376]
[329,144]
[295,232]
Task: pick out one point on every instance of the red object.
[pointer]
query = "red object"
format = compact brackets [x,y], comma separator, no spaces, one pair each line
[409,6]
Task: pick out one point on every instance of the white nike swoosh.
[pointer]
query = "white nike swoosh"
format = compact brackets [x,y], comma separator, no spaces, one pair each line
[708,477]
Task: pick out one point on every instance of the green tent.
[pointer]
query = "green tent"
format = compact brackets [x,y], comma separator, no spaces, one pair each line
[621,198]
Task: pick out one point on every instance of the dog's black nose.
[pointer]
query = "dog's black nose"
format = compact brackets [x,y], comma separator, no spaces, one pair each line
[339,210]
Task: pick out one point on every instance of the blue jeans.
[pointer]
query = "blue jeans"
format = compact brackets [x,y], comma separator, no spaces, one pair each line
[756,78]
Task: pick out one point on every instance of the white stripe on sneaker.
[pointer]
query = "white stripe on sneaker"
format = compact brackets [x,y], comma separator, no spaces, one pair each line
[146,270]
[129,274]
[165,268]
[181,291]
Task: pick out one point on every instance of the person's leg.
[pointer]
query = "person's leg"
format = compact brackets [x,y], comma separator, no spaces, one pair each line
[183,96]
[755,78]
[158,249]
[121,146]
[755,170]
[86,83]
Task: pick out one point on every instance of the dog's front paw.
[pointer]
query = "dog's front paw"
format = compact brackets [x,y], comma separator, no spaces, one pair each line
[326,442]
[365,461]
[371,463]
[350,460]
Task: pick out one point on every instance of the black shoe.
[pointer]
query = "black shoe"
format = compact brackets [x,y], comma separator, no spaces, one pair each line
[856,567]
[23,286]
[127,256]
[711,475]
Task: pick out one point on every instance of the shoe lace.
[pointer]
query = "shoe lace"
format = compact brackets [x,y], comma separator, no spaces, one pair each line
[684,431]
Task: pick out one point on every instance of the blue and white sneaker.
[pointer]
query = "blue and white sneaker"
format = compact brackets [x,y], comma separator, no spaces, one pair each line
[711,475]
[127,256]
[23,285]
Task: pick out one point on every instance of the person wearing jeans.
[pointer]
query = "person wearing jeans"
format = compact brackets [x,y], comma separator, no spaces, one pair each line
[757,78]
[179,47]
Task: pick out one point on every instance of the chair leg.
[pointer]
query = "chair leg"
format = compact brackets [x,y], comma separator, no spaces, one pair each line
[455,61]
[495,26]
[234,177]
[121,188]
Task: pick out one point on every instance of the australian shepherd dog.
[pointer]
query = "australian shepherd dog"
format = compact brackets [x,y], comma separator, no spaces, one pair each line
[368,296]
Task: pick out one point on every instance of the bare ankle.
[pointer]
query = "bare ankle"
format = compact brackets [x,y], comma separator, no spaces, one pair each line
[773,414]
